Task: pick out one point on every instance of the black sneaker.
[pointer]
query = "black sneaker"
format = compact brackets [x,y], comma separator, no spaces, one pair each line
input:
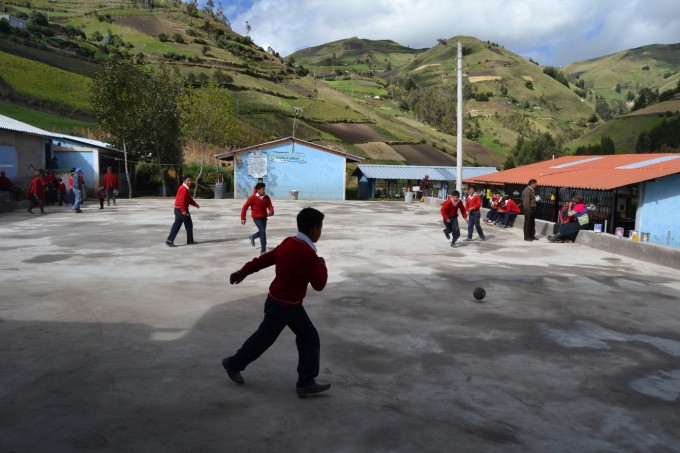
[170,244]
[252,240]
[233,375]
[192,242]
[312,389]
[453,244]
[468,239]
[448,235]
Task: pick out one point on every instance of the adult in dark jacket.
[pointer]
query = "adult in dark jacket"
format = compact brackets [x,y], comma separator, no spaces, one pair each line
[529,205]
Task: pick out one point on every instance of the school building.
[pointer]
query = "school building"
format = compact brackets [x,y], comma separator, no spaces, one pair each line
[291,168]
[391,181]
[633,192]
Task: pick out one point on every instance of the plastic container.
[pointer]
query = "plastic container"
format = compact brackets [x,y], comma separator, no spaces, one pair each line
[408,197]
[293,194]
[219,190]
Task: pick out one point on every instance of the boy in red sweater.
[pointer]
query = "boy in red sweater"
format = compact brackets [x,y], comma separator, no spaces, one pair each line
[450,209]
[261,206]
[473,203]
[182,215]
[297,264]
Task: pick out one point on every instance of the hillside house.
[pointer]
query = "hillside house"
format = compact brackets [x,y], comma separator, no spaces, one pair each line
[639,192]
[14,22]
[290,168]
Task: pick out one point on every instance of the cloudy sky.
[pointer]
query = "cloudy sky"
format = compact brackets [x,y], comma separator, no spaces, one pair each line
[552,32]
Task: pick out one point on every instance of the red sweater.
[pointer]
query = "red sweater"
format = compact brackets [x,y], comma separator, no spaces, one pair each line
[183,199]
[259,206]
[110,181]
[36,188]
[511,206]
[297,264]
[449,210]
[473,203]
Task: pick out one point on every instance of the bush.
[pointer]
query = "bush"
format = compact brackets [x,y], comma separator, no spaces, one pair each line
[162,37]
[177,37]
[5,27]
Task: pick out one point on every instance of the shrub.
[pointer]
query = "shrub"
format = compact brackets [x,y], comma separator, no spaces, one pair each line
[177,37]
[162,37]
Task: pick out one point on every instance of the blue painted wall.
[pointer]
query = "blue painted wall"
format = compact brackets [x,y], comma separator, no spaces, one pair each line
[315,174]
[79,159]
[659,211]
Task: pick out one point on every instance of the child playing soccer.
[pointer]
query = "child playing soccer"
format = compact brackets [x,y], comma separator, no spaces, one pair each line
[450,209]
[259,203]
[297,264]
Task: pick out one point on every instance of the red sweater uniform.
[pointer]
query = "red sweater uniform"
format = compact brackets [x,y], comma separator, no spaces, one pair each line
[110,181]
[36,188]
[511,206]
[183,199]
[259,206]
[297,264]
[449,209]
[473,203]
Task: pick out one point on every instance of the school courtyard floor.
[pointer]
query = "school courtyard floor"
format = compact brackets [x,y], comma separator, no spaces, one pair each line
[109,340]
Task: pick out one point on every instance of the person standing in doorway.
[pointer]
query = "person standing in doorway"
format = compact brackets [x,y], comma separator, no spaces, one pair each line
[261,207]
[182,214]
[473,204]
[529,205]
[111,184]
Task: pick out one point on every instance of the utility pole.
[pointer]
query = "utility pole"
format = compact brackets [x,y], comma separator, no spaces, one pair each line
[459,124]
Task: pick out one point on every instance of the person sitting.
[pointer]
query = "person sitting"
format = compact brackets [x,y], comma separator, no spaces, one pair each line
[510,212]
[492,216]
[6,185]
[577,214]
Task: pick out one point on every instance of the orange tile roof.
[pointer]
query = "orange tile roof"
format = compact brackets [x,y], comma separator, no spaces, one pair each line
[588,172]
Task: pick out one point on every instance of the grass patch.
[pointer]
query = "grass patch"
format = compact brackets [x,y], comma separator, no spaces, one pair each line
[43,120]
[45,82]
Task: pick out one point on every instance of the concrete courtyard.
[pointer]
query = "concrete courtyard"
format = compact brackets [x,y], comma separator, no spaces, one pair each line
[109,340]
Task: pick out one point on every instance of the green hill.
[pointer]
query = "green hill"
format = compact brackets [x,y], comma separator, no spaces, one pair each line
[352,93]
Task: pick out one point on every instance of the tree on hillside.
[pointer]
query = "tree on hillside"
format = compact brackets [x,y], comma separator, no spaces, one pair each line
[163,138]
[207,117]
[532,150]
[116,95]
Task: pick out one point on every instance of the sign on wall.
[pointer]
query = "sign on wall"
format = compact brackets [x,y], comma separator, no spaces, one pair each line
[296,158]
[257,165]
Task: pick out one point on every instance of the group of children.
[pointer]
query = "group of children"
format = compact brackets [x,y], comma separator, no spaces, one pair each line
[45,188]
[502,211]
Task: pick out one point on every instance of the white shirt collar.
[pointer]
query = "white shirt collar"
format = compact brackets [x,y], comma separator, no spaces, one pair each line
[305,238]
[185,185]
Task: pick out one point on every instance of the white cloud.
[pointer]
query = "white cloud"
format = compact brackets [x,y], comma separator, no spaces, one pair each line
[550,31]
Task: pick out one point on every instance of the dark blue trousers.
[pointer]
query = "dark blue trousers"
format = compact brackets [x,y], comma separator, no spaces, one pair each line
[453,229]
[276,318]
[261,224]
[179,220]
[473,221]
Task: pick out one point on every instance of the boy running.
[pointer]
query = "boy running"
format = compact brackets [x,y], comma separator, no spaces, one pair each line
[450,209]
[297,264]
[261,206]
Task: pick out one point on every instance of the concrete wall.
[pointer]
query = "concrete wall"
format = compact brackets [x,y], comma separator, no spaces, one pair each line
[315,174]
[18,152]
[659,211]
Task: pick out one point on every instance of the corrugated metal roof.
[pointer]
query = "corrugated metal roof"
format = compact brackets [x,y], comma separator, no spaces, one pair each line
[417,172]
[11,124]
[589,172]
[17,126]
